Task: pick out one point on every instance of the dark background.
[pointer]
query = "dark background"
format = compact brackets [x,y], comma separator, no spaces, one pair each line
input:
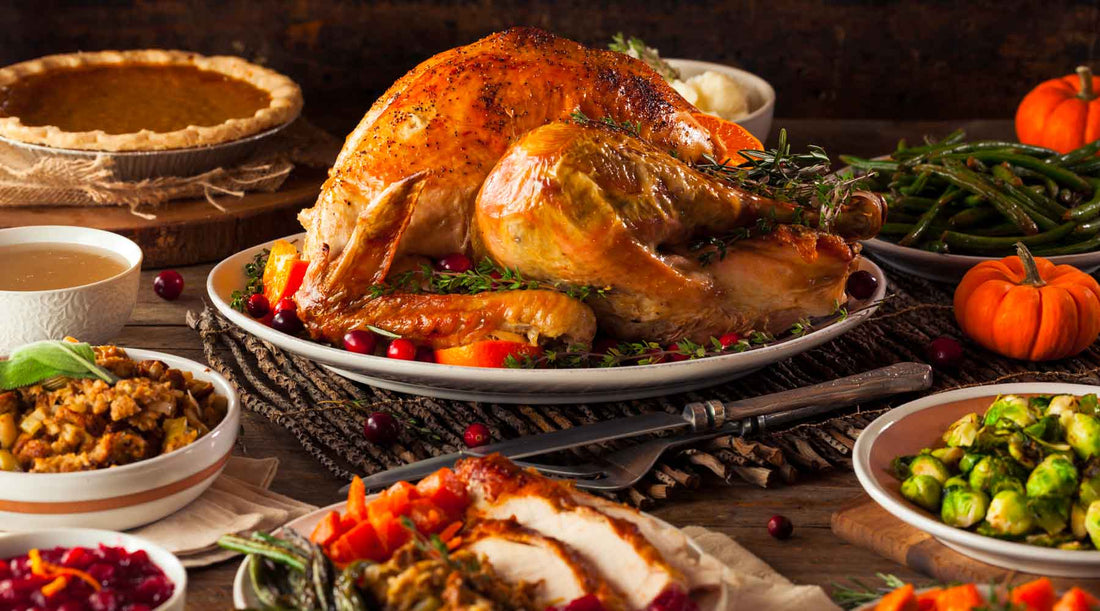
[837,59]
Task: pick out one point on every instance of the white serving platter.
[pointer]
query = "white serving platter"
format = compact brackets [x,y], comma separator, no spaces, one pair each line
[532,386]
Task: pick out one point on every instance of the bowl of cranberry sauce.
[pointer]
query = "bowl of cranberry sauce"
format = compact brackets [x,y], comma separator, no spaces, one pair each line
[88,570]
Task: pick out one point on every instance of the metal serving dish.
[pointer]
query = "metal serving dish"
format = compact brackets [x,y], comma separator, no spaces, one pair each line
[140,165]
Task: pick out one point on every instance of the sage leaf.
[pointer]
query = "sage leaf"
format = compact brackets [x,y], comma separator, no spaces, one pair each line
[39,361]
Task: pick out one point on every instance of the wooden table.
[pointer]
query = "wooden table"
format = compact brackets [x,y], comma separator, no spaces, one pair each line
[813,555]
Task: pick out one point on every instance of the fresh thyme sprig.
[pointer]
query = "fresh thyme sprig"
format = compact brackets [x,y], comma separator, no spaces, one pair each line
[850,597]
[254,273]
[636,48]
[486,276]
[803,179]
[647,352]
[630,127]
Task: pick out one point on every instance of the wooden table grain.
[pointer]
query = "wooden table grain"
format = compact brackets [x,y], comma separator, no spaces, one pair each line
[813,555]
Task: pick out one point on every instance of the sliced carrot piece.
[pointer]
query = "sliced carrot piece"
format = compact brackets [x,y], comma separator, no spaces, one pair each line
[960,598]
[327,530]
[446,491]
[357,500]
[1076,599]
[1037,595]
[448,533]
[901,599]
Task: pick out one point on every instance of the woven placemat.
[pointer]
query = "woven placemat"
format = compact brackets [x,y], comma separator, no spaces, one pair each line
[325,411]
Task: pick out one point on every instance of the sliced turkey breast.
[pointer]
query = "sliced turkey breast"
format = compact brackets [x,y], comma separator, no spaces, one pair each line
[615,547]
[520,554]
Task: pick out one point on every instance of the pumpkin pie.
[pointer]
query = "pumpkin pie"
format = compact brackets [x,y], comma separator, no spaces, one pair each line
[146,100]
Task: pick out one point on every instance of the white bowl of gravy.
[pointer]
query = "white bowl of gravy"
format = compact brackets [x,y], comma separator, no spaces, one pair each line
[58,281]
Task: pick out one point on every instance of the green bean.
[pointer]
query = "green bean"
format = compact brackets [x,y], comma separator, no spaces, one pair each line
[1078,154]
[882,165]
[918,184]
[272,552]
[966,179]
[1090,209]
[265,593]
[903,217]
[973,200]
[1087,228]
[950,140]
[925,222]
[1000,229]
[913,203]
[975,243]
[1059,174]
[1088,245]
[973,216]
[935,246]
[1089,168]
[895,228]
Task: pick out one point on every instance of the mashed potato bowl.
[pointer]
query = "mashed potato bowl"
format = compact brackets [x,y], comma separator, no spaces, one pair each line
[760,94]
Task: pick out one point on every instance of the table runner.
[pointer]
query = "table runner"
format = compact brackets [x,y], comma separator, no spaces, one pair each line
[325,412]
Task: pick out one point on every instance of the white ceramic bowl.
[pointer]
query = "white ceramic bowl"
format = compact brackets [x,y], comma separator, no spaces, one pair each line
[948,268]
[120,498]
[18,544]
[919,424]
[760,92]
[93,313]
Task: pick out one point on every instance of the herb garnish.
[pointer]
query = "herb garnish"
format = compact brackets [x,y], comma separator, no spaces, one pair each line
[33,363]
[803,179]
[485,277]
[632,128]
[254,272]
[636,48]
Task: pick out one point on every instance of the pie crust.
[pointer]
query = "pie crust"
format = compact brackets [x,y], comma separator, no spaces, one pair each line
[284,105]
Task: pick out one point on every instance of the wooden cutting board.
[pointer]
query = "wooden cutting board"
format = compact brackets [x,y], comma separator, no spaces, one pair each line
[186,232]
[864,523]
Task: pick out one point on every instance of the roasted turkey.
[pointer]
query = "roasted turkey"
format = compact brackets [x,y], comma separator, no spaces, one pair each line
[477,151]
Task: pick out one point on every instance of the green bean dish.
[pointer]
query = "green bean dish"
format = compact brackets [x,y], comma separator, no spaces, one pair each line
[981,198]
[1027,470]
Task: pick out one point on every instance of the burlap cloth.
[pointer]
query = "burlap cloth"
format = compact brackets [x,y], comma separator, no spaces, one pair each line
[326,412]
[63,181]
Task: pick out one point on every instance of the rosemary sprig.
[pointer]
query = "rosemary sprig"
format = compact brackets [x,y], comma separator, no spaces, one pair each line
[486,276]
[254,272]
[850,597]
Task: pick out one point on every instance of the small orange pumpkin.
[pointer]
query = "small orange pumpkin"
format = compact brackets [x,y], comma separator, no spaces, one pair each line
[1062,113]
[1028,308]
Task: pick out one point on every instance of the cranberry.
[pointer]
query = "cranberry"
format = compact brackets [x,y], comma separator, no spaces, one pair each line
[102,572]
[381,428]
[71,605]
[425,354]
[476,435]
[257,306]
[287,321]
[168,284]
[286,303]
[944,352]
[672,599]
[139,607]
[401,349]
[780,527]
[729,340]
[153,590]
[585,603]
[862,284]
[455,262]
[76,558]
[675,353]
[360,341]
[105,600]
[654,357]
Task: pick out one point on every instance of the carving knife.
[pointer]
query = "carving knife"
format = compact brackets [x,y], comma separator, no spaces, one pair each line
[697,417]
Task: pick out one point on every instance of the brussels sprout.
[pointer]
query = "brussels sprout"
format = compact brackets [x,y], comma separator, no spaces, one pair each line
[1046,428]
[963,507]
[1077,520]
[1089,490]
[1038,404]
[1054,477]
[968,461]
[1083,435]
[1024,450]
[950,457]
[1062,407]
[1006,482]
[1051,514]
[993,440]
[962,432]
[988,469]
[1049,540]
[926,464]
[923,490]
[900,467]
[956,481]
[1074,546]
[1008,514]
[1012,408]
[1092,523]
[1088,404]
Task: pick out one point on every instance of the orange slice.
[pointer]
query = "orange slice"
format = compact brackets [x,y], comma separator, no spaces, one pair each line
[729,136]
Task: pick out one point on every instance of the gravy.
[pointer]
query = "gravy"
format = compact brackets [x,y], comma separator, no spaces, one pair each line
[46,266]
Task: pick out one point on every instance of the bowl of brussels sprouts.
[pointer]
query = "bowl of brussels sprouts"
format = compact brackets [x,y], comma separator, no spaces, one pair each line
[1008,474]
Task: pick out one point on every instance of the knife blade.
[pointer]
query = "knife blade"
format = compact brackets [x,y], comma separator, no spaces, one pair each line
[697,417]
